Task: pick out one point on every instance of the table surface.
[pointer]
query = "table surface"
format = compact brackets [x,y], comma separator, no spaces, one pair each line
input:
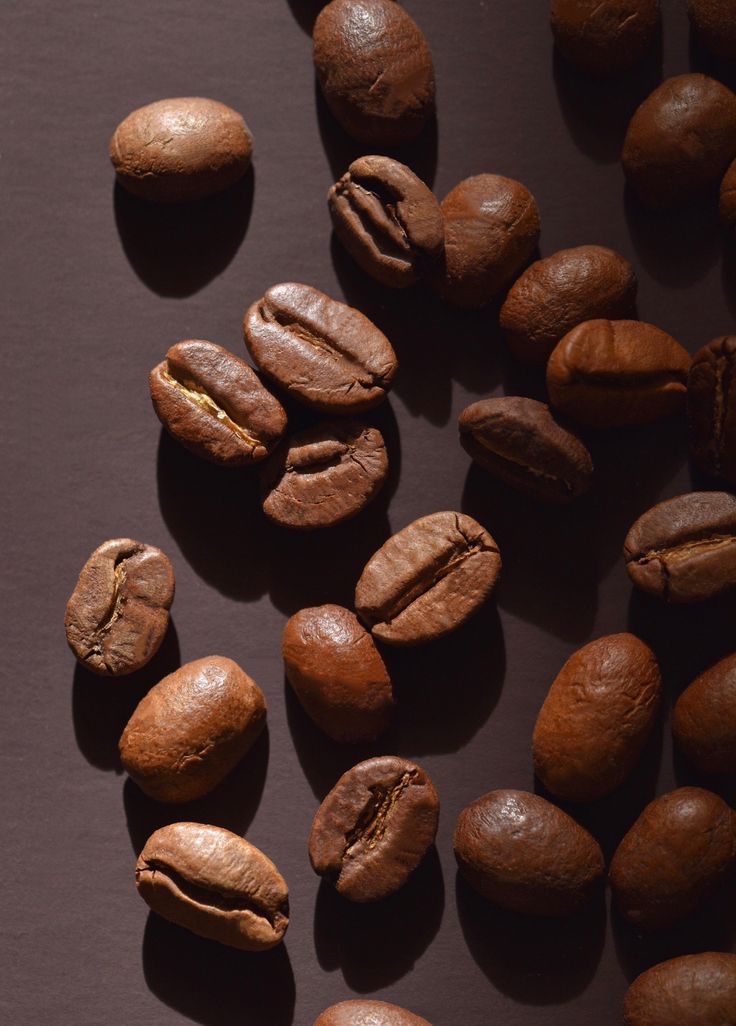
[96,287]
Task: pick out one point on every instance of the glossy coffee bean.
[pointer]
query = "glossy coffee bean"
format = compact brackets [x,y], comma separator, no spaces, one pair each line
[714,21]
[367,1012]
[728,197]
[693,990]
[704,719]
[604,38]
[711,407]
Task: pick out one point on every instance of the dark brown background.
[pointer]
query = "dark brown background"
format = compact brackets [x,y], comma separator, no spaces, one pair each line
[96,287]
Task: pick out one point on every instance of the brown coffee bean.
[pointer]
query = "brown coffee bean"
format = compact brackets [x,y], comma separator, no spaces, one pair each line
[704,719]
[323,353]
[427,579]
[606,374]
[556,294]
[175,151]
[693,990]
[596,718]
[374,828]
[192,729]
[715,23]
[684,549]
[519,441]
[526,855]
[117,615]
[676,854]
[680,140]
[728,197]
[387,219]
[711,407]
[604,38]
[366,1012]
[215,884]
[337,673]
[324,475]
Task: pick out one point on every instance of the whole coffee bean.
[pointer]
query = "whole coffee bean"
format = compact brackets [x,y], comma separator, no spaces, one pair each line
[323,353]
[375,69]
[704,719]
[715,23]
[427,579]
[596,718]
[337,673]
[728,197]
[387,219]
[192,729]
[684,549]
[711,407]
[324,475]
[604,38]
[526,855]
[117,615]
[374,828]
[680,140]
[175,151]
[213,403]
[366,1012]
[556,294]
[693,990]
[606,374]
[676,854]
[215,884]
[519,441]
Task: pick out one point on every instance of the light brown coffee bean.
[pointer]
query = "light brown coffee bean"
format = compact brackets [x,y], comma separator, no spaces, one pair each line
[604,38]
[693,990]
[366,1012]
[704,719]
[728,197]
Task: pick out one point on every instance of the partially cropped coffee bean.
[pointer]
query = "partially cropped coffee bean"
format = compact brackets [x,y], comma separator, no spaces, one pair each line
[387,219]
[711,407]
[715,23]
[692,990]
[117,615]
[519,441]
[374,828]
[428,579]
[704,719]
[684,549]
[214,404]
[322,352]
[604,38]
[728,197]
[367,1012]
[215,884]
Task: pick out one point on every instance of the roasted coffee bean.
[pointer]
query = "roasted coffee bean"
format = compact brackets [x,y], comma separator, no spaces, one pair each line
[367,1012]
[704,719]
[728,197]
[556,294]
[374,828]
[596,718]
[323,353]
[118,613]
[711,407]
[337,673]
[215,884]
[693,990]
[684,549]
[324,475]
[387,219]
[680,140]
[174,151]
[213,403]
[604,38]
[715,23]
[526,855]
[676,854]
[606,374]
[192,729]
[427,579]
[519,441]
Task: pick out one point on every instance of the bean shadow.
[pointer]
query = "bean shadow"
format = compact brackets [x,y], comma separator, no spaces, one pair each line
[702,60]
[305,12]
[728,272]
[686,775]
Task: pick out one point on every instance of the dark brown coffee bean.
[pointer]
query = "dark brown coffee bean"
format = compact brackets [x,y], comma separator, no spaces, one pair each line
[526,855]
[715,23]
[215,884]
[324,475]
[519,441]
[427,579]
[728,197]
[680,140]
[174,151]
[676,854]
[387,219]
[374,828]
[596,718]
[213,403]
[604,38]
[554,295]
[693,990]
[684,549]
[704,719]
[192,729]
[711,407]
[606,374]
[366,1012]
[337,673]
[323,353]
[118,613]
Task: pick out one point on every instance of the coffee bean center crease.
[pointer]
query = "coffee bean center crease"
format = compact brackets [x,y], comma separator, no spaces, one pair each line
[371,826]
[193,392]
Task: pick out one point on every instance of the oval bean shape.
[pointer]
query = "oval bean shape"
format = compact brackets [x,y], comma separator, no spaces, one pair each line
[704,719]
[366,1012]
[711,407]
[693,990]
[728,197]
[604,38]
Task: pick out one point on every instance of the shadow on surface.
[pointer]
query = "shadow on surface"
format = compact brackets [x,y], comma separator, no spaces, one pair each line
[305,12]
[702,60]
[728,272]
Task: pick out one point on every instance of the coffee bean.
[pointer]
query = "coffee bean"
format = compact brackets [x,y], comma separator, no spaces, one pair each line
[519,441]
[366,1012]
[711,407]
[192,729]
[604,38]
[215,884]
[728,197]
[118,613]
[427,579]
[556,294]
[524,854]
[715,24]
[704,719]
[174,151]
[374,828]
[387,219]
[607,374]
[693,990]
[684,549]
[323,353]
